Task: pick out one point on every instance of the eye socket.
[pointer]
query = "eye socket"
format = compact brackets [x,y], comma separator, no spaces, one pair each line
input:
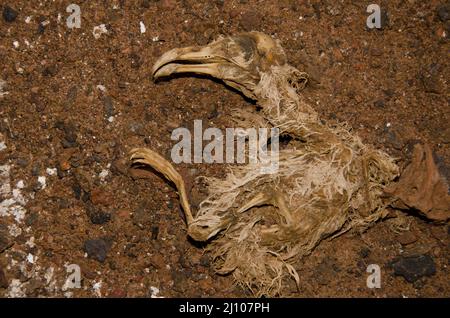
[297,80]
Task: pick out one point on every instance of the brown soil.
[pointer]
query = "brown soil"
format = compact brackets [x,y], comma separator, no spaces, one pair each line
[62,87]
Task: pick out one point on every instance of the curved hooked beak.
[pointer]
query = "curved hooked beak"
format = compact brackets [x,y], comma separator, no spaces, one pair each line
[236,60]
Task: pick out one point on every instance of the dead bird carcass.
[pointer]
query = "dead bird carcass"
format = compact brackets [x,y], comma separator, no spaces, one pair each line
[258,224]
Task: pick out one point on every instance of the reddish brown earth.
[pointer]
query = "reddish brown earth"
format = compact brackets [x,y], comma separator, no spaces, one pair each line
[390,85]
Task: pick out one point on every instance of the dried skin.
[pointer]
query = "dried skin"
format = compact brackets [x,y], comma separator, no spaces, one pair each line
[421,187]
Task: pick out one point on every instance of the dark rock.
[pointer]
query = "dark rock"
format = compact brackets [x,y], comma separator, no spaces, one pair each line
[67,144]
[393,138]
[3,281]
[70,134]
[443,12]
[145,4]
[108,106]
[389,93]
[379,103]
[9,14]
[364,252]
[50,71]
[414,267]
[97,249]
[316,7]
[97,216]
[155,232]
[41,28]
[76,188]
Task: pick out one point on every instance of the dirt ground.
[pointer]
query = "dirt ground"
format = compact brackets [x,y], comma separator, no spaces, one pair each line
[73,105]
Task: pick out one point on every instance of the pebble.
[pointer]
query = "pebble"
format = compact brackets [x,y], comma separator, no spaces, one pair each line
[145,4]
[414,267]
[108,106]
[443,12]
[9,14]
[50,70]
[97,216]
[393,138]
[64,165]
[97,249]
[100,197]
[407,238]
[123,214]
[155,232]
[70,135]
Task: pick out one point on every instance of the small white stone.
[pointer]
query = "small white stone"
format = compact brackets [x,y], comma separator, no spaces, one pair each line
[99,30]
[103,174]
[2,145]
[16,44]
[97,288]
[101,88]
[154,292]
[388,125]
[142,27]
[42,182]
[51,171]
[30,258]
[27,20]
[111,119]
